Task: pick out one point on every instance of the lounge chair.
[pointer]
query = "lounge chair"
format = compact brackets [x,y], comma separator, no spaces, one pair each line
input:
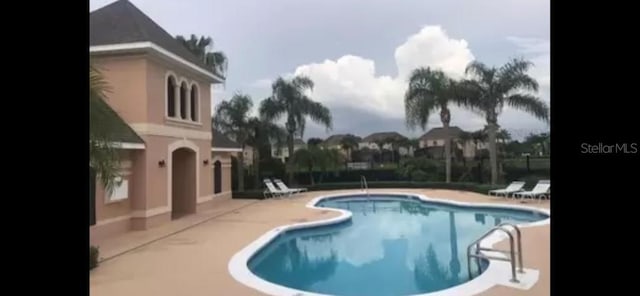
[272,191]
[284,187]
[540,190]
[515,186]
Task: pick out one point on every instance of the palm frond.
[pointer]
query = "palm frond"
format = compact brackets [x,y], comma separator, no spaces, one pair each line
[477,69]
[302,83]
[103,156]
[428,90]
[272,109]
[513,76]
[530,104]
[317,112]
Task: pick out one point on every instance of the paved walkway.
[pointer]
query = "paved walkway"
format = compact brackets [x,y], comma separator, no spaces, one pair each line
[190,256]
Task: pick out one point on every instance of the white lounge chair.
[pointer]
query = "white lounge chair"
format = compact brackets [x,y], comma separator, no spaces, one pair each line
[515,186]
[272,191]
[284,187]
[540,190]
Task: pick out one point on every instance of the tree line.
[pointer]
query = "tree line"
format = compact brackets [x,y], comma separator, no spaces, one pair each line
[485,91]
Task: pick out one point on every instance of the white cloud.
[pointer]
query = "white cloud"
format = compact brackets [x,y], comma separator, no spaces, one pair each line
[432,47]
[351,81]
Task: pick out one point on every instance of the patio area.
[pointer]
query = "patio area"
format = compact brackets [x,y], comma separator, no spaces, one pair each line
[190,256]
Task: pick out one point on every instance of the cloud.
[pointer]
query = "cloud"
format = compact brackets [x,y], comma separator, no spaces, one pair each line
[432,47]
[363,101]
[537,51]
[351,81]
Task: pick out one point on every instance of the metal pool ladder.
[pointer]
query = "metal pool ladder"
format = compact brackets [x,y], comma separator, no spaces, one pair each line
[512,253]
[363,185]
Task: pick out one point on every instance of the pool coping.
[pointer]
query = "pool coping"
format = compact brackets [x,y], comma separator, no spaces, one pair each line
[492,276]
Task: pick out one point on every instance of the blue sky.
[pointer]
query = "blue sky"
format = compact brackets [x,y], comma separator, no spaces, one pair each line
[359,52]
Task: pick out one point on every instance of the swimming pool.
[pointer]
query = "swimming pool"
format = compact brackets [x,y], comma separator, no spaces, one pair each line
[391,245]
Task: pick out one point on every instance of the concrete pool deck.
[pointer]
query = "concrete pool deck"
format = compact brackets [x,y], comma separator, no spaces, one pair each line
[189,256]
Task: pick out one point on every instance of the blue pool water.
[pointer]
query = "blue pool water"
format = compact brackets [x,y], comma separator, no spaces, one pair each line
[391,246]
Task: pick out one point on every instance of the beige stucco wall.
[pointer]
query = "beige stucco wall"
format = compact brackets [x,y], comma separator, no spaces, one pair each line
[126,77]
[225,160]
[158,150]
[137,93]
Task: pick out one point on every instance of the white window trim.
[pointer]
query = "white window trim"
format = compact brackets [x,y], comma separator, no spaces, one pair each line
[220,149]
[132,146]
[109,198]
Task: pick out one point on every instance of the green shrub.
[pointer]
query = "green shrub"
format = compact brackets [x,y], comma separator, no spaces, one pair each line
[93,257]
[419,175]
[472,187]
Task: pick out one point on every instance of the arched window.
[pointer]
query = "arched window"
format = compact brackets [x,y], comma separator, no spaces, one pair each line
[171,96]
[183,100]
[194,102]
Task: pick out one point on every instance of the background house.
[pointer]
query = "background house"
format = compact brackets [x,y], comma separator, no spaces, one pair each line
[335,142]
[282,153]
[371,142]
[161,93]
[434,140]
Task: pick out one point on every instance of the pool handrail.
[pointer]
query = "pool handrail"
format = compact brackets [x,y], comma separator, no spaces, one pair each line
[511,252]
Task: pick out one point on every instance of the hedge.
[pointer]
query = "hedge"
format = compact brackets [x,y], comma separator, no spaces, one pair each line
[414,169]
[472,187]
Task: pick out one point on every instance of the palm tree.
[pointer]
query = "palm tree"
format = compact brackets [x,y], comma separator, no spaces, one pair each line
[200,47]
[538,142]
[503,136]
[430,90]
[232,119]
[289,99]
[103,157]
[306,157]
[491,88]
[347,143]
[261,134]
[331,159]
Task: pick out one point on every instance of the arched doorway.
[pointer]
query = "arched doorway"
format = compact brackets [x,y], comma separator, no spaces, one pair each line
[217,177]
[183,182]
